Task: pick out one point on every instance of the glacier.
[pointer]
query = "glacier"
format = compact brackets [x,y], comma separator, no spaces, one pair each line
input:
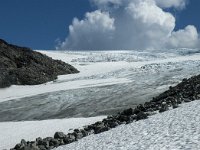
[108,82]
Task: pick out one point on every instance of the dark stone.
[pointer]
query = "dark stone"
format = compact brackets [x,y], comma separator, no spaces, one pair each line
[113,124]
[141,108]
[62,142]
[174,105]
[89,127]
[42,147]
[186,100]
[18,146]
[76,130]
[101,129]
[39,141]
[23,66]
[23,142]
[27,146]
[133,117]
[128,112]
[54,142]
[179,101]
[78,135]
[59,135]
[136,110]
[69,138]
[141,115]
[164,107]
[84,132]
[45,143]
[123,118]
[89,132]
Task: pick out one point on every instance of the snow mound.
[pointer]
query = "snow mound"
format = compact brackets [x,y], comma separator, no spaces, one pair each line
[172,130]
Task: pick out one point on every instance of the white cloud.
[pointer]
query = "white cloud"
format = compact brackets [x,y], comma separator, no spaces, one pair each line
[130,24]
[152,28]
[172,3]
[105,3]
[94,31]
[187,38]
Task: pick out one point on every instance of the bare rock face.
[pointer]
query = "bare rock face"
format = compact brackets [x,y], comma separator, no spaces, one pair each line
[23,66]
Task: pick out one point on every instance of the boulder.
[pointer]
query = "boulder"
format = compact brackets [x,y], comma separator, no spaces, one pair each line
[164,107]
[69,138]
[39,141]
[128,112]
[100,129]
[123,118]
[113,124]
[187,100]
[141,115]
[54,143]
[59,135]
[84,132]
[78,134]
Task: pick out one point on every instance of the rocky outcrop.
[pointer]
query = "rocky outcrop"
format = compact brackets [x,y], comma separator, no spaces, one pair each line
[23,66]
[187,91]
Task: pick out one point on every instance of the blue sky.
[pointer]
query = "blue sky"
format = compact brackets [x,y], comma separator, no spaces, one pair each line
[189,15]
[39,23]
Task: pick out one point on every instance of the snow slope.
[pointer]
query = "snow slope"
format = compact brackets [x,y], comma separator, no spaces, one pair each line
[177,129]
[11,133]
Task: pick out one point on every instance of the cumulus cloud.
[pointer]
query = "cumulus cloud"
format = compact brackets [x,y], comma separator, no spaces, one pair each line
[97,26]
[187,37]
[152,28]
[172,3]
[130,24]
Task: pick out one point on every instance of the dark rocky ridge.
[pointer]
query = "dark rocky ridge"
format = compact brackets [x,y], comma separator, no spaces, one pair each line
[186,91]
[23,66]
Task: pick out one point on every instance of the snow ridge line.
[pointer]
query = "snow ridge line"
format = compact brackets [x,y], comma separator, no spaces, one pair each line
[186,91]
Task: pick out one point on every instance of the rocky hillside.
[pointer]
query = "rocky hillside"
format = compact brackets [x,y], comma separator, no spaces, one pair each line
[23,66]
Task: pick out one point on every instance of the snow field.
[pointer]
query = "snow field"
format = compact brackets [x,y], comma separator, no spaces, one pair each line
[176,129]
[11,133]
